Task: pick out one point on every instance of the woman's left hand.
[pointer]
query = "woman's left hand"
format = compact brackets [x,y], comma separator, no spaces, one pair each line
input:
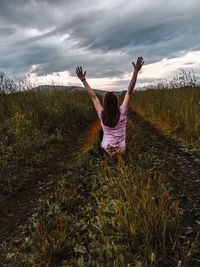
[139,64]
[80,73]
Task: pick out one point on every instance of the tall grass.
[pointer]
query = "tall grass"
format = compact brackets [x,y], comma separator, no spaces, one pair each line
[31,121]
[113,212]
[174,111]
[137,218]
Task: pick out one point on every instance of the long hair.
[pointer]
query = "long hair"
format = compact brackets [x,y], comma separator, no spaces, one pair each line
[111,112]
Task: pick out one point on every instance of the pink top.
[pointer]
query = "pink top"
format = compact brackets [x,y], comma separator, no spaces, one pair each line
[116,136]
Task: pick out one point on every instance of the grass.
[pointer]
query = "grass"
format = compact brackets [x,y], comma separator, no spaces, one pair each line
[116,212]
[32,121]
[112,212]
[173,111]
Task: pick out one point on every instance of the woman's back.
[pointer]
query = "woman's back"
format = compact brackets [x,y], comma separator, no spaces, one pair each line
[114,137]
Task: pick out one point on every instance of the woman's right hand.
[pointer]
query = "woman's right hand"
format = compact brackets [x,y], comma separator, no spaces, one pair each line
[139,64]
[80,74]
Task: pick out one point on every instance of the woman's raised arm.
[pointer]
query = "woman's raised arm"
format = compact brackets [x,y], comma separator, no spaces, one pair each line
[132,83]
[91,92]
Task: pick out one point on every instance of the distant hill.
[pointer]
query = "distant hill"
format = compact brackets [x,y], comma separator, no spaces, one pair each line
[69,88]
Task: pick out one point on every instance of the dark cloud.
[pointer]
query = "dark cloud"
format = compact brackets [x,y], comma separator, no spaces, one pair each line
[6,31]
[111,73]
[140,31]
[105,36]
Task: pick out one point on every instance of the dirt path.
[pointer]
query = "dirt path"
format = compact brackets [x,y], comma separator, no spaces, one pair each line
[40,180]
[181,167]
[90,136]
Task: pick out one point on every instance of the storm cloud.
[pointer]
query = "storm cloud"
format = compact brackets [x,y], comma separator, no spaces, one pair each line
[102,36]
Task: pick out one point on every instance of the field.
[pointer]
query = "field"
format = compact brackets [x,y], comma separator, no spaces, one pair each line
[64,205]
[174,111]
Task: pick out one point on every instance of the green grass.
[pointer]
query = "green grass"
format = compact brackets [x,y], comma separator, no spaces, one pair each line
[112,212]
[174,111]
[32,121]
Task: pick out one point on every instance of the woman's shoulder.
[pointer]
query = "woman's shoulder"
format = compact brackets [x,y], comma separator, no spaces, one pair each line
[100,111]
[123,109]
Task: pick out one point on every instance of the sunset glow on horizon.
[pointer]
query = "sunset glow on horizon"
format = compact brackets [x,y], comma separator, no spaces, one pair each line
[164,69]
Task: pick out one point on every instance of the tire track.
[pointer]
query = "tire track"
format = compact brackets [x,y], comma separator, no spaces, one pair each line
[18,206]
[181,168]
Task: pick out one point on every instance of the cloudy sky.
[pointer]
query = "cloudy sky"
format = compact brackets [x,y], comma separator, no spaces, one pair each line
[50,38]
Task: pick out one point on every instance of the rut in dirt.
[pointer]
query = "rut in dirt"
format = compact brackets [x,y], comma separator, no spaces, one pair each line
[181,168]
[17,206]
[40,178]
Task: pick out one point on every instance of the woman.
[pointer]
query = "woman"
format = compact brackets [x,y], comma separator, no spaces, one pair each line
[112,116]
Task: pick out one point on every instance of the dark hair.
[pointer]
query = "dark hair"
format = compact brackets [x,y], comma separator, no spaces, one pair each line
[111,112]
